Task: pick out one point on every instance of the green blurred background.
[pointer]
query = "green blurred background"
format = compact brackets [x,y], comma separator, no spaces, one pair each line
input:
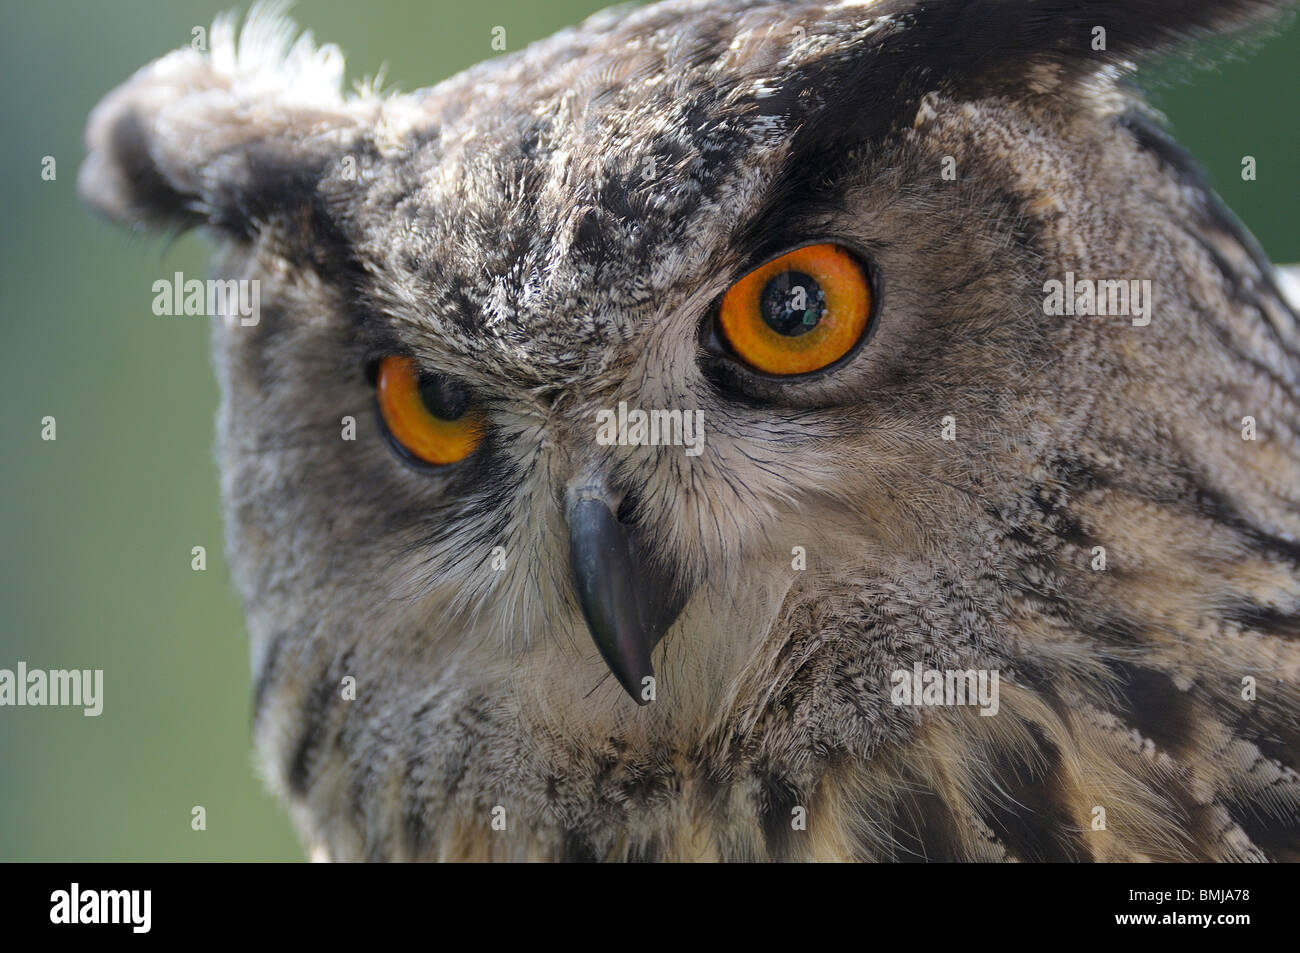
[97,526]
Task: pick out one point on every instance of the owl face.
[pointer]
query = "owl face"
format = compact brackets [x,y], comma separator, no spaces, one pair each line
[554,250]
[814,239]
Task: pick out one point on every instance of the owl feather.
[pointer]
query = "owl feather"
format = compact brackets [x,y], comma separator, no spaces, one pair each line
[1071,502]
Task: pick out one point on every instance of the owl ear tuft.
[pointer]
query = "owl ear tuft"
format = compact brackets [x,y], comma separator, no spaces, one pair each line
[228,137]
[887,57]
[989,39]
[1097,31]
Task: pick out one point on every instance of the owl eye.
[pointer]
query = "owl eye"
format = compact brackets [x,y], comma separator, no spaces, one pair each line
[428,418]
[799,313]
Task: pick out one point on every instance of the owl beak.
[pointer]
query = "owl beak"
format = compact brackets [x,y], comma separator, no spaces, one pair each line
[628,606]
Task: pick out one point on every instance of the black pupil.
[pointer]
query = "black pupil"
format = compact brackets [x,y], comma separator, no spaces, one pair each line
[443,398]
[792,303]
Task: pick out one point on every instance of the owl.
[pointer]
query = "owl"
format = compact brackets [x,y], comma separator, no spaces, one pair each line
[739,430]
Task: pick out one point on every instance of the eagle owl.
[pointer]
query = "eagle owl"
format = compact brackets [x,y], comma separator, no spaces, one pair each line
[746,430]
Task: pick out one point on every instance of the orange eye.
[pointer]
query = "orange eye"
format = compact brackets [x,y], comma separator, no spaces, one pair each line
[799,313]
[429,418]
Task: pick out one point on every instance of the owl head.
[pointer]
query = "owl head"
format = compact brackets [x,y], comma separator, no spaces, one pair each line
[673,381]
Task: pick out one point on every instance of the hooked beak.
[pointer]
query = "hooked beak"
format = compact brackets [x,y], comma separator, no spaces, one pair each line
[627,604]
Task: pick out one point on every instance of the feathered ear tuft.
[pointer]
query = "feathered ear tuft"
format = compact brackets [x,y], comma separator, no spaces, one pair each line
[869,65]
[1089,32]
[227,137]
